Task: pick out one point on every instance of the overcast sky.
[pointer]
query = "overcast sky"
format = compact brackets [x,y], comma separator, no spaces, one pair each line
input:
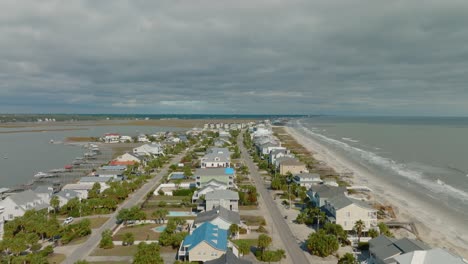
[292,57]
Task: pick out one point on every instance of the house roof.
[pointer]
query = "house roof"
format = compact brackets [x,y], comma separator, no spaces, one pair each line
[95,179]
[222,194]
[221,212]
[211,234]
[214,172]
[24,197]
[308,175]
[431,256]
[291,162]
[228,258]
[116,167]
[44,189]
[68,194]
[385,248]
[327,191]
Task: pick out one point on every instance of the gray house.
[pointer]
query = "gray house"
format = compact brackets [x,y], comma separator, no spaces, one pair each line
[383,250]
[225,198]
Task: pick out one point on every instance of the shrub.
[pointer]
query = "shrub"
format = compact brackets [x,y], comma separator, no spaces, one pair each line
[242,231]
[106,239]
[363,245]
[322,244]
[183,192]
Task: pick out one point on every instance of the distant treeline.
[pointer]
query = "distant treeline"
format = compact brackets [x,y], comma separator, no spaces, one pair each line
[7,118]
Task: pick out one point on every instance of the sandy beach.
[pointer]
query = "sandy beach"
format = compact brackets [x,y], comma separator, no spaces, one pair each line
[435,228]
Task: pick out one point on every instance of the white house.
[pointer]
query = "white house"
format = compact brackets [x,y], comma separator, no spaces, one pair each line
[111,138]
[125,139]
[216,158]
[155,149]
[142,138]
[307,179]
[17,204]
[81,188]
[209,186]
[66,195]
[126,159]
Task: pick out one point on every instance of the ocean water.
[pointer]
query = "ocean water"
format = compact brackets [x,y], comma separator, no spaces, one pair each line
[24,154]
[427,156]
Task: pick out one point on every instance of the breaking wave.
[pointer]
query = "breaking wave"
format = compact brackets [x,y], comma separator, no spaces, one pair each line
[389,164]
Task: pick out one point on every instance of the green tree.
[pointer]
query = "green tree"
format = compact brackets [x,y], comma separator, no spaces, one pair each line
[373,233]
[347,258]
[264,242]
[188,172]
[233,230]
[160,215]
[321,244]
[106,239]
[244,247]
[128,239]
[336,230]
[384,230]
[147,254]
[55,203]
[82,262]
[359,226]
[94,192]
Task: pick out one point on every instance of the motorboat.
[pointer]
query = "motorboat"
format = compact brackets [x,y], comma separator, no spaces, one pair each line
[42,175]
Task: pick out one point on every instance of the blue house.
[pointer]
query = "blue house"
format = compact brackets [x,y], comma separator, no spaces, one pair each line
[207,242]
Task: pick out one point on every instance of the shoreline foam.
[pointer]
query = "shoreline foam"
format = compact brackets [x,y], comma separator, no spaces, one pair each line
[441,231]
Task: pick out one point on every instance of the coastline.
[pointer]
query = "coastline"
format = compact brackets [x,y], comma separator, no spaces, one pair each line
[441,231]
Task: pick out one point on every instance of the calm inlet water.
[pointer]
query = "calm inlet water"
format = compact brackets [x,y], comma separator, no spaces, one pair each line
[24,154]
[428,156]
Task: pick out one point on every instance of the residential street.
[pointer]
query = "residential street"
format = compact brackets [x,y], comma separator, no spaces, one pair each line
[83,251]
[293,249]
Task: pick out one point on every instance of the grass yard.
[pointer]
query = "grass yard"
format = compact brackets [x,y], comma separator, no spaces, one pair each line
[248,207]
[141,232]
[98,222]
[252,243]
[56,258]
[116,251]
[110,262]
[253,220]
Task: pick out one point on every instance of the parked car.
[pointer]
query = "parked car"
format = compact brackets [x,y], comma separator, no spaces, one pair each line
[68,220]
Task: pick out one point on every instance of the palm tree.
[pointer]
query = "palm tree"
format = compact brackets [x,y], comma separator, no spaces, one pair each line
[263,242]
[55,203]
[359,227]
[233,230]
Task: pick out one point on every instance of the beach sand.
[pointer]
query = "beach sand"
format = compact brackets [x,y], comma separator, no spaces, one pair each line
[435,228]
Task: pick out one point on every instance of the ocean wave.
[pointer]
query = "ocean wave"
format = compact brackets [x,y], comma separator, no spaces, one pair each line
[389,164]
[350,140]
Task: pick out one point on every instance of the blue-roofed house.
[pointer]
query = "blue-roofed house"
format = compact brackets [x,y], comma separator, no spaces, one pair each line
[207,242]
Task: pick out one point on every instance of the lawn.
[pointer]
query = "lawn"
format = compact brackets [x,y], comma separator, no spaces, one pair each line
[109,262]
[248,207]
[116,251]
[141,232]
[253,220]
[56,258]
[98,222]
[252,243]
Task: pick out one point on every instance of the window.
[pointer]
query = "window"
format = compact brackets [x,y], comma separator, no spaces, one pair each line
[16,207]
[10,216]
[345,223]
[348,214]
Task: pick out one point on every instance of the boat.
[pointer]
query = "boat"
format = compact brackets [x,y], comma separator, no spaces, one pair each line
[42,175]
[57,171]
[5,157]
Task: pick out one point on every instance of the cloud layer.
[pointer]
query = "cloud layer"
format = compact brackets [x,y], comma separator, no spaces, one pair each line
[335,57]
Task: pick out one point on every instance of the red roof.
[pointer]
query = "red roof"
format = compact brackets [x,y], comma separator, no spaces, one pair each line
[112,134]
[68,167]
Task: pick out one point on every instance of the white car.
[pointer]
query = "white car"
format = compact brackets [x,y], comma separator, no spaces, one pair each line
[68,220]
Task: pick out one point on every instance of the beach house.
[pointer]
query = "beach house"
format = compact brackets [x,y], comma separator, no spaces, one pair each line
[216,158]
[207,242]
[307,179]
[278,153]
[154,149]
[431,256]
[219,216]
[127,159]
[111,138]
[228,258]
[225,198]
[222,175]
[291,165]
[17,204]
[66,195]
[383,249]
[209,186]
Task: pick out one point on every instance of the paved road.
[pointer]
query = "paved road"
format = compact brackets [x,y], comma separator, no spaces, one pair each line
[85,249]
[289,241]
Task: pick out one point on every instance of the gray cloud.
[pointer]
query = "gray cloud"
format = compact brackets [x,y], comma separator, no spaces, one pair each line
[346,57]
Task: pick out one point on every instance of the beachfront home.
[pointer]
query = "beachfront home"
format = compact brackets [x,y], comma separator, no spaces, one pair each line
[142,138]
[103,181]
[291,165]
[111,138]
[109,173]
[223,175]
[82,188]
[307,179]
[209,186]
[219,216]
[341,209]
[276,154]
[383,250]
[225,198]
[431,256]
[216,158]
[207,242]
[44,192]
[126,139]
[154,149]
[114,168]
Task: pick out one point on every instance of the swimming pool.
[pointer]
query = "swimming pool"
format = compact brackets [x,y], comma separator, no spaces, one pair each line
[180,213]
[177,176]
[160,229]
